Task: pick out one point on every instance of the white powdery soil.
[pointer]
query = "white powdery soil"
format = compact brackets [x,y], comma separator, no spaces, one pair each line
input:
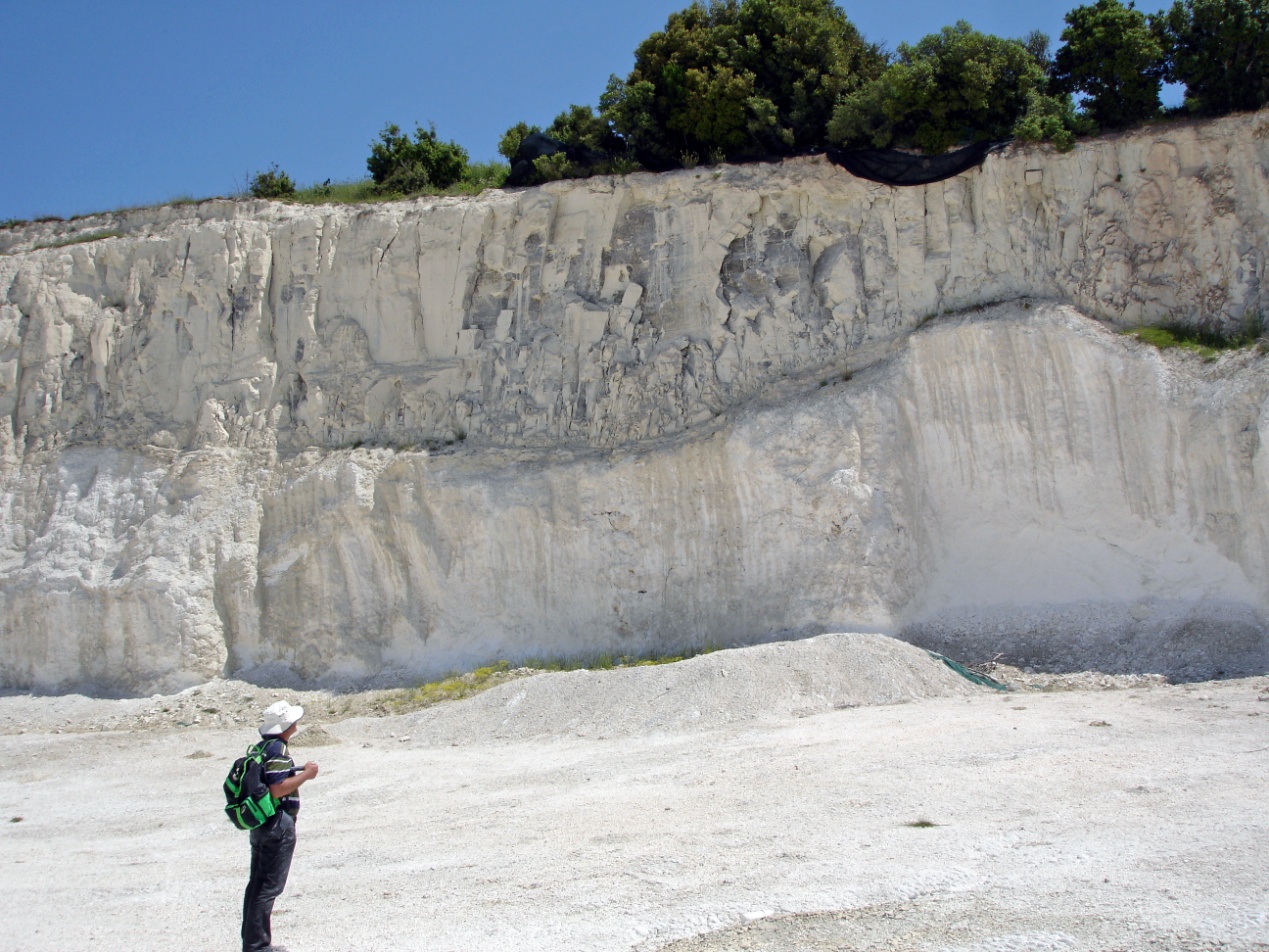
[772,798]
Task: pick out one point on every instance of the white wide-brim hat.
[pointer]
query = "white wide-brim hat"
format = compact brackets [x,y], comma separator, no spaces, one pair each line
[278,716]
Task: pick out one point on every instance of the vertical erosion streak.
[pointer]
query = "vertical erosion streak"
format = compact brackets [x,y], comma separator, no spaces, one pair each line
[268,311]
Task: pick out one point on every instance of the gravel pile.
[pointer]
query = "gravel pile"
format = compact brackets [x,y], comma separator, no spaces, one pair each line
[763,682]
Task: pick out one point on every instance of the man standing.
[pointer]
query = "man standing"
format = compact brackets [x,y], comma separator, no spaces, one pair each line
[273,844]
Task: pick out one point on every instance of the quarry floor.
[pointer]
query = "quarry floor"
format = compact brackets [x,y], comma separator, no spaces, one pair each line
[1077,813]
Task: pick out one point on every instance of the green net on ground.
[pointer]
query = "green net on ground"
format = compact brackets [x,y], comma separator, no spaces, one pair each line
[965,672]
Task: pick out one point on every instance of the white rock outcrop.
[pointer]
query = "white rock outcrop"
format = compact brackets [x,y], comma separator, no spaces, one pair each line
[359,442]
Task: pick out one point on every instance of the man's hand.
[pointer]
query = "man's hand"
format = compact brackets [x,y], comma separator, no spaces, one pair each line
[292,783]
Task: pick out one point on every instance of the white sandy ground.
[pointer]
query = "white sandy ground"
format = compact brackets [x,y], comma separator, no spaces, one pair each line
[759,798]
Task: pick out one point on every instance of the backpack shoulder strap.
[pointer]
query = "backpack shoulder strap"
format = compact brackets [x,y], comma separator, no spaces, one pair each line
[268,742]
[255,749]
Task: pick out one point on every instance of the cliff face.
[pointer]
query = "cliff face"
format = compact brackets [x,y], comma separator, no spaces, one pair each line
[614,415]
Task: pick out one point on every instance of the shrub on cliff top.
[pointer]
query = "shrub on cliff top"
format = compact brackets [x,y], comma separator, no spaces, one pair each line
[401,166]
[509,144]
[273,183]
[580,126]
[1053,118]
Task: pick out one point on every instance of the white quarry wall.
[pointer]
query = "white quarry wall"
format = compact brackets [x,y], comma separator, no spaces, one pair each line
[225,433]
[603,311]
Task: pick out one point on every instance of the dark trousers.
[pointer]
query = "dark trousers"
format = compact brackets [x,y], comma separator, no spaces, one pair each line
[272,847]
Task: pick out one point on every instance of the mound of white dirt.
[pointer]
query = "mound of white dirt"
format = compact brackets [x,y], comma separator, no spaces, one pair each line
[763,682]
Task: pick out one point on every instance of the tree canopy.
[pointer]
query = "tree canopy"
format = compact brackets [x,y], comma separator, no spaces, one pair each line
[954,86]
[730,78]
[580,126]
[509,144]
[1112,57]
[1220,50]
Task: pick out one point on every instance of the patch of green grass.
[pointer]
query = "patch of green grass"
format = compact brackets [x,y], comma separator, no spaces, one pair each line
[338,193]
[1205,343]
[1175,338]
[482,175]
[476,178]
[80,239]
[451,688]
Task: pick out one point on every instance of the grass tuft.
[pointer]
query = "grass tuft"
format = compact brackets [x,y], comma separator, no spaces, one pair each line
[336,193]
[1207,344]
[454,687]
[477,177]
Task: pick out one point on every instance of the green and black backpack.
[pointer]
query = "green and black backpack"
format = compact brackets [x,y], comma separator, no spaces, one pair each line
[248,802]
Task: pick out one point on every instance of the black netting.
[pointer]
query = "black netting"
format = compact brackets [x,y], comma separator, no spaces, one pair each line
[887,166]
[905,168]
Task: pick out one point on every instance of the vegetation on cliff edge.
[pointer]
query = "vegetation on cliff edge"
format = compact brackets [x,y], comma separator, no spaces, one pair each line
[730,80]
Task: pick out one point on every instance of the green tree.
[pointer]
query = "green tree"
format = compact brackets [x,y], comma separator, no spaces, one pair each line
[581,126]
[954,86]
[1220,50]
[509,144]
[629,108]
[401,166]
[273,183]
[739,77]
[1113,58]
[804,57]
[651,107]
[1037,44]
[1052,118]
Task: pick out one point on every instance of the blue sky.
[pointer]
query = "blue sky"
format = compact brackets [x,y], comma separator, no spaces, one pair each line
[134,102]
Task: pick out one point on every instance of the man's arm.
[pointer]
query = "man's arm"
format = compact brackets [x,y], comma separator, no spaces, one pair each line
[293,783]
